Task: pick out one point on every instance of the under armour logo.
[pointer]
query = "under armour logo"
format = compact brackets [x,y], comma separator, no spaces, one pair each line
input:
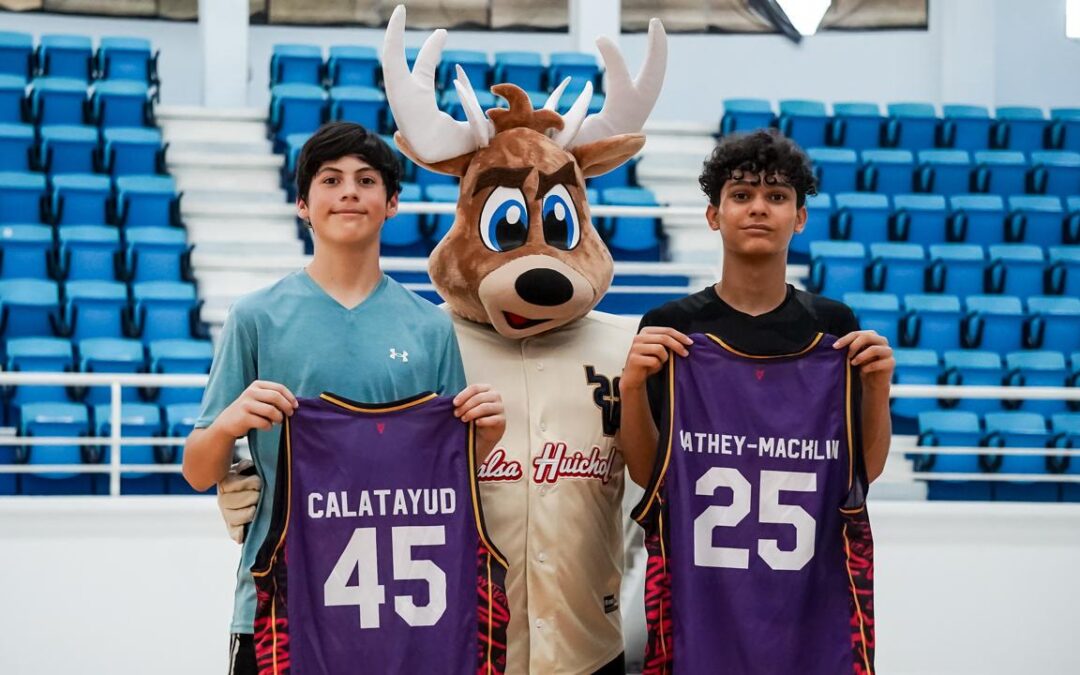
[759,373]
[395,354]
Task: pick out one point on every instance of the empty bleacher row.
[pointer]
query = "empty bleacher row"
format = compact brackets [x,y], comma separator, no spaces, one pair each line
[910,126]
[306,90]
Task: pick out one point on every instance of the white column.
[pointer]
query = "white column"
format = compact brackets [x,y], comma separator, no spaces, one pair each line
[589,19]
[223,30]
[966,32]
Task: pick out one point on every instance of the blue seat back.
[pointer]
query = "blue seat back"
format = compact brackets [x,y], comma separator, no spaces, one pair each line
[126,58]
[1002,172]
[403,234]
[1057,172]
[30,307]
[931,322]
[13,100]
[857,125]
[145,201]
[974,368]
[132,152]
[914,366]
[525,69]
[81,199]
[888,171]
[21,198]
[746,114]
[180,357]
[878,312]
[54,419]
[1035,220]
[951,428]
[978,219]
[111,355]
[1032,368]
[365,106]
[296,64]
[474,63]
[1064,271]
[69,149]
[353,66]
[57,100]
[897,268]
[38,355]
[165,309]
[296,109]
[995,322]
[95,309]
[920,219]
[89,252]
[837,267]
[966,127]
[957,269]
[819,214]
[120,103]
[25,252]
[1016,269]
[836,168]
[17,146]
[16,54]
[862,217]
[138,420]
[1018,429]
[912,126]
[1056,322]
[1020,128]
[805,122]
[944,172]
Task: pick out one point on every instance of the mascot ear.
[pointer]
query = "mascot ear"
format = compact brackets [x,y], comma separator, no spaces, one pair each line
[455,166]
[601,156]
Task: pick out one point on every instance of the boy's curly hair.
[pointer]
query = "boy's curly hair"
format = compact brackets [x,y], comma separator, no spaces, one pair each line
[764,151]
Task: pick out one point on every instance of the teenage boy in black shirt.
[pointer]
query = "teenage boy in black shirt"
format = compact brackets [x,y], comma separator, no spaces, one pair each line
[757,185]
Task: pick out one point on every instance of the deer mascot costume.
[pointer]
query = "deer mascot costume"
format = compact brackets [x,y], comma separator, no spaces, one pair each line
[520,270]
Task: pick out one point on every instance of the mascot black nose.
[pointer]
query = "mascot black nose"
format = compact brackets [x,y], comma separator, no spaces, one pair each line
[544,287]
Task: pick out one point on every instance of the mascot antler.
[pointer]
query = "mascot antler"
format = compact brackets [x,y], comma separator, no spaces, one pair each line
[434,136]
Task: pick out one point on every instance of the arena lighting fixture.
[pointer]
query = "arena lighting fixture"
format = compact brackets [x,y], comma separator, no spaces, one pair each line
[793,18]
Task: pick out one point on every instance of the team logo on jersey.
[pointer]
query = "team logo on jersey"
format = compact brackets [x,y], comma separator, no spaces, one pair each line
[403,355]
[606,397]
[496,468]
[759,373]
[555,463]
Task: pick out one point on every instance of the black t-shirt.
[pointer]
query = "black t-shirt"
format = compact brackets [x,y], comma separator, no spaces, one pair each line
[784,330]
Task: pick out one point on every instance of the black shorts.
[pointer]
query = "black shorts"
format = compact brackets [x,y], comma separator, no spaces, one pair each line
[242,654]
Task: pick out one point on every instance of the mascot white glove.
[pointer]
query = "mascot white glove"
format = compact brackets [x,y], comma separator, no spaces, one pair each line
[237,495]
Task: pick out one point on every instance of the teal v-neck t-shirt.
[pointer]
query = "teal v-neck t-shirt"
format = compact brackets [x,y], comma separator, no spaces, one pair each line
[391,346]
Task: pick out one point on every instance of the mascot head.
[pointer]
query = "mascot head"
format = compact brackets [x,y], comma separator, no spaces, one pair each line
[522,254]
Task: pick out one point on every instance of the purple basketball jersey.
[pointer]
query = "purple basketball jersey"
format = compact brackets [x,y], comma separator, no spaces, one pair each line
[760,552]
[377,559]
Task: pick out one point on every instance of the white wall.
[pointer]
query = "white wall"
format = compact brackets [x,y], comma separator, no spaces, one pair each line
[144,585]
[995,52]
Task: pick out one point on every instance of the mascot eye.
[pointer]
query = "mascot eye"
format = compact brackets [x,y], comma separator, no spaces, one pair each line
[560,219]
[504,222]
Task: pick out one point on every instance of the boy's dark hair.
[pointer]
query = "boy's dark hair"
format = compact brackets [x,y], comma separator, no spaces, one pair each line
[765,150]
[334,140]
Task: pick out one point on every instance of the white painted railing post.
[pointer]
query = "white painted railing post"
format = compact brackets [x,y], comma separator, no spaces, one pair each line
[114,437]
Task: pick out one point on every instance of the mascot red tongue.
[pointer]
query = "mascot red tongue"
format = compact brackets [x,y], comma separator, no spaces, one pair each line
[521,269]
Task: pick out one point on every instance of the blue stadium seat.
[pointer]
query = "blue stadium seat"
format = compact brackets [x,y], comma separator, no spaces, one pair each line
[888,171]
[296,64]
[1055,323]
[1071,232]
[565,102]
[365,106]
[1063,276]
[36,355]
[1065,128]
[474,63]
[126,58]
[180,418]
[166,310]
[746,114]
[88,252]
[1066,430]
[878,312]
[353,66]
[69,56]
[111,355]
[96,309]
[30,307]
[25,252]
[121,103]
[176,357]
[837,267]
[578,66]
[944,172]
[1015,269]
[68,149]
[837,169]
[1020,128]
[1035,220]
[80,199]
[913,366]
[132,152]
[439,224]
[525,69]
[919,219]
[977,219]
[139,420]
[912,126]
[638,238]
[931,322]
[157,254]
[147,201]
[403,235]
[861,217]
[1025,430]
[940,428]
[14,104]
[1001,172]
[805,122]
[622,176]
[17,55]
[17,147]
[856,125]
[56,419]
[1056,172]
[966,127]
[57,100]
[296,109]
[426,179]
[1037,369]
[896,268]
[956,269]
[22,198]
[994,323]
[973,368]
[819,214]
